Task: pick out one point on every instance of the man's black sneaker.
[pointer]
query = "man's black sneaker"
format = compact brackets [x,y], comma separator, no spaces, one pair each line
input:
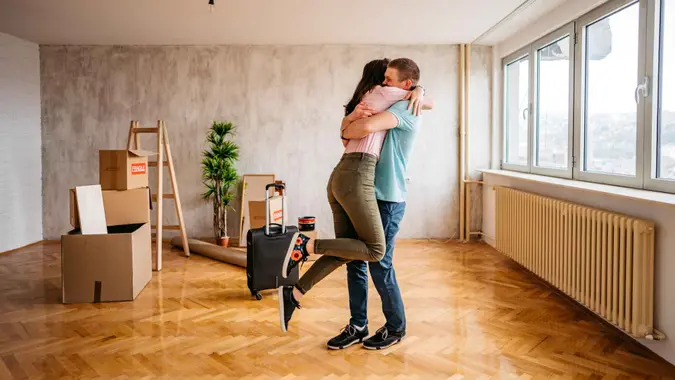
[350,335]
[287,305]
[383,338]
[296,253]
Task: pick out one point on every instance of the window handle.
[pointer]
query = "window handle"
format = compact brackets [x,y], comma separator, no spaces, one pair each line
[525,111]
[642,88]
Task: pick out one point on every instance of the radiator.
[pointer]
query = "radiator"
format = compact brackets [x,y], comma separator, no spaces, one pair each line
[603,260]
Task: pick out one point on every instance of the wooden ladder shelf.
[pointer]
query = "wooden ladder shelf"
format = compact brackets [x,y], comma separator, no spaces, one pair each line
[163,148]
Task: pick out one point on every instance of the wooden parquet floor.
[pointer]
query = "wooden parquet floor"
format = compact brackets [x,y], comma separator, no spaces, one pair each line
[472,314]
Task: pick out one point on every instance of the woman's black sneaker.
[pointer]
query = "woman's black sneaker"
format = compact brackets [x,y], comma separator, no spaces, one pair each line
[350,335]
[287,305]
[383,338]
[296,254]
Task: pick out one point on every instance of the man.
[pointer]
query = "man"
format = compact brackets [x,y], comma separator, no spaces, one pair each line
[390,188]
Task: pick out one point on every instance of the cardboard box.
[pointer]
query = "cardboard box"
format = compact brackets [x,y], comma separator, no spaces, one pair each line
[256,211]
[123,169]
[107,267]
[121,207]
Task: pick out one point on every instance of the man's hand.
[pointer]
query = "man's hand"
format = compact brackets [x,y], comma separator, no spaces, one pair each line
[361,128]
[416,98]
[360,112]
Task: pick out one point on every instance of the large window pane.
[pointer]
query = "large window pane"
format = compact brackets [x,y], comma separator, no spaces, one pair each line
[611,63]
[666,149]
[517,99]
[553,124]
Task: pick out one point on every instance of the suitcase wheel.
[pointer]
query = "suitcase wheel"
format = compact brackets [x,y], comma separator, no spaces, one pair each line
[256,294]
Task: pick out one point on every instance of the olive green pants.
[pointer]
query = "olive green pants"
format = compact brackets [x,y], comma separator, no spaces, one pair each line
[356,217]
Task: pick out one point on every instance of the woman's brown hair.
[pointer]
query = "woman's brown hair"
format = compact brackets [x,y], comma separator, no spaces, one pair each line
[373,75]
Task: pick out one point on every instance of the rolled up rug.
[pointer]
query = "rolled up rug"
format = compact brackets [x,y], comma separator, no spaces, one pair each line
[212,251]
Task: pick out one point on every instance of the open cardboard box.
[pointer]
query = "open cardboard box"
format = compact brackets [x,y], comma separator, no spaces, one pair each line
[106,267]
[106,262]
[121,207]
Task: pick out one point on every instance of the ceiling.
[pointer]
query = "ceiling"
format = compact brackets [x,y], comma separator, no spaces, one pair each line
[189,22]
[527,13]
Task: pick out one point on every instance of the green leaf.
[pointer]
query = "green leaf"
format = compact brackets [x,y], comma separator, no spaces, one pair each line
[209,192]
[227,198]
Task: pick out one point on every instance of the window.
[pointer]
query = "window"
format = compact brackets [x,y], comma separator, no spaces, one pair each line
[595,100]
[666,102]
[517,111]
[610,114]
[538,105]
[553,105]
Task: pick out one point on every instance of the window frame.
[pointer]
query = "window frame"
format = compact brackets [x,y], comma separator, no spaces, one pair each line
[654,66]
[506,61]
[601,12]
[566,30]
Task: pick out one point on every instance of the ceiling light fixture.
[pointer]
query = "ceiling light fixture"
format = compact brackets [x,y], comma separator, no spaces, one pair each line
[212,5]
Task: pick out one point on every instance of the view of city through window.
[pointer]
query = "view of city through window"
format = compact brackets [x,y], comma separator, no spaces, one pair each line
[517,99]
[611,111]
[553,122]
[667,101]
[612,53]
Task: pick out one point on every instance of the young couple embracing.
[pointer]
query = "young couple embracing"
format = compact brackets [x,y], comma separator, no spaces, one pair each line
[366,192]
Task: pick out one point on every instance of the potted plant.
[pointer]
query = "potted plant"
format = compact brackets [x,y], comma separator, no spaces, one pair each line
[220,176]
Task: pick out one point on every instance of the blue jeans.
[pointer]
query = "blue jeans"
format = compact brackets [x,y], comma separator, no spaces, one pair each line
[384,276]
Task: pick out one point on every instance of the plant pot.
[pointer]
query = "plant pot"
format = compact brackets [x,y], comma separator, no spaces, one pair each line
[223,241]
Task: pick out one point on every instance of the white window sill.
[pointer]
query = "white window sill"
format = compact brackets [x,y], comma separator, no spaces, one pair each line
[623,192]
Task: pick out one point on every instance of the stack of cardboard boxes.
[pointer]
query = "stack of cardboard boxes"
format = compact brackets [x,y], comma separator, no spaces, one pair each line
[117,265]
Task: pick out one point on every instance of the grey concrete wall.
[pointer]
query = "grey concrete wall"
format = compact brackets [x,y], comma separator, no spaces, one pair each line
[20,156]
[480,121]
[287,104]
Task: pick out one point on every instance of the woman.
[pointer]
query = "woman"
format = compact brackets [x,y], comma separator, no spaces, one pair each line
[351,194]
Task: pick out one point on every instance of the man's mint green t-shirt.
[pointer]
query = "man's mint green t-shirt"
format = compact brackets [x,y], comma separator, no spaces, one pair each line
[391,169]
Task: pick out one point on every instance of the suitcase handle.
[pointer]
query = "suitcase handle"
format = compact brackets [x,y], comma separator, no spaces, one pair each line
[277,186]
[274,224]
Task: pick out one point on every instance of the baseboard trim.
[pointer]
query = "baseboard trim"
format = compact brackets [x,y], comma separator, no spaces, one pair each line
[234,242]
[23,247]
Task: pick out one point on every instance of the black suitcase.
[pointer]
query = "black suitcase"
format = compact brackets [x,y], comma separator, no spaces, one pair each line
[266,249]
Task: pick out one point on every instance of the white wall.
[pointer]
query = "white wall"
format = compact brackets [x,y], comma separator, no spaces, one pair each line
[663,216]
[20,144]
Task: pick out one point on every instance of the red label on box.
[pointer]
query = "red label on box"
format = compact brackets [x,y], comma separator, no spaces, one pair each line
[137,169]
[277,215]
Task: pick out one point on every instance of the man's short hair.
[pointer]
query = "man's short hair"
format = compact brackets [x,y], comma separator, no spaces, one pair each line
[407,69]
